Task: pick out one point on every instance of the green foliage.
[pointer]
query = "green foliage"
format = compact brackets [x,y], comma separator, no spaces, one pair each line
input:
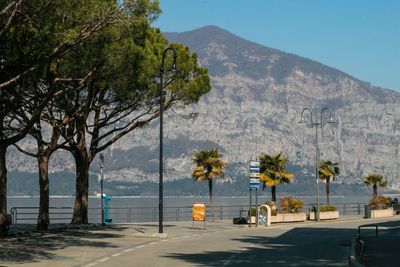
[379,203]
[208,165]
[375,180]
[290,205]
[272,171]
[324,208]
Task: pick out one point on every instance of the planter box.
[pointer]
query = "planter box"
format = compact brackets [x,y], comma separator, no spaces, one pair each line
[325,215]
[379,213]
[288,217]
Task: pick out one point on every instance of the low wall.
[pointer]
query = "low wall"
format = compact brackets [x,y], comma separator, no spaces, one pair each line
[382,213]
[325,215]
[288,217]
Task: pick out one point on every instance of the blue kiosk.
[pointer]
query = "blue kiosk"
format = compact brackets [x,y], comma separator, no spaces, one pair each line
[106,219]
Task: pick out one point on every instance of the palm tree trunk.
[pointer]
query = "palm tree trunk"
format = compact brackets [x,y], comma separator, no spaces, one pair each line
[327,191]
[375,190]
[211,199]
[273,193]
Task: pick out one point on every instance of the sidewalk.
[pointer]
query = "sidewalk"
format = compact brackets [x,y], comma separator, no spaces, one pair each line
[81,245]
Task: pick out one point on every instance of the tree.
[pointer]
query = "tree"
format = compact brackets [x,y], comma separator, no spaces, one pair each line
[121,94]
[208,166]
[328,170]
[104,56]
[375,180]
[272,172]
[34,35]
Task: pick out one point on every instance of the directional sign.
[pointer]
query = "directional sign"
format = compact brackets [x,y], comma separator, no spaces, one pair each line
[255,186]
[254,174]
[254,164]
[254,180]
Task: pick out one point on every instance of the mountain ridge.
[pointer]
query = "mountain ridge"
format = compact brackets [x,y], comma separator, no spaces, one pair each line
[253,108]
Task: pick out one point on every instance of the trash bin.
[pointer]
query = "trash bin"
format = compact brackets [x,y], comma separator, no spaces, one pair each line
[367,212]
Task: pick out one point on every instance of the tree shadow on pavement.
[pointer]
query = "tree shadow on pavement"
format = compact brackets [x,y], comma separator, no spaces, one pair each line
[297,247]
[35,246]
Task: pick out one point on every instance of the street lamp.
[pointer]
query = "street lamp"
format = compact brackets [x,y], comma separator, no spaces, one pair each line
[101,187]
[160,197]
[316,124]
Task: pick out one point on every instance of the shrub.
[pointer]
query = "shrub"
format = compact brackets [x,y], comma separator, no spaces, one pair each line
[324,208]
[253,211]
[290,205]
[379,203]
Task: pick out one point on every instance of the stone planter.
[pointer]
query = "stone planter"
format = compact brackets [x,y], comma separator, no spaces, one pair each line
[379,213]
[324,215]
[288,217]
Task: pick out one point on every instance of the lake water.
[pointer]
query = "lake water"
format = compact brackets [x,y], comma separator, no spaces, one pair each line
[145,209]
[126,201]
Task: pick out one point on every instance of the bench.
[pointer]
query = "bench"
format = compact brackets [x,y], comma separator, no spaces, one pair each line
[396,208]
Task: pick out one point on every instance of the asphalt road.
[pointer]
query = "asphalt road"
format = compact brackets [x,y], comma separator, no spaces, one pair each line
[221,244]
[310,244]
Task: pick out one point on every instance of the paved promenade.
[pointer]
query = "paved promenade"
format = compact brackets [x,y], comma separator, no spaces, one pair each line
[221,244]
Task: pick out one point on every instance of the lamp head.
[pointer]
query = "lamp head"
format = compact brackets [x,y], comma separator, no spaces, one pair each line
[302,120]
[331,119]
[101,160]
[174,68]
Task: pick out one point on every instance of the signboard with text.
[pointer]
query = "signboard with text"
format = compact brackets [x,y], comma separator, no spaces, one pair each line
[199,211]
[254,182]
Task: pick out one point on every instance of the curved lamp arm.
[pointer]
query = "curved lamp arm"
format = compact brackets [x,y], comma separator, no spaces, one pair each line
[302,119]
[331,119]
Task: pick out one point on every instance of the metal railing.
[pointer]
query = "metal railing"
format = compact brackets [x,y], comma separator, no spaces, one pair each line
[150,214]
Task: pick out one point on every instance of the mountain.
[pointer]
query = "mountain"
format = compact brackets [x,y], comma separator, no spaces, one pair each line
[256,101]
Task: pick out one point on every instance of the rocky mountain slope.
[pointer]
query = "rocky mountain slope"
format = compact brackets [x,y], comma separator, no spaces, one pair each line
[254,107]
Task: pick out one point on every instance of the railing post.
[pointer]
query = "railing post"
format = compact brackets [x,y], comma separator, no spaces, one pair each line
[154,214]
[221,213]
[344,209]
[359,208]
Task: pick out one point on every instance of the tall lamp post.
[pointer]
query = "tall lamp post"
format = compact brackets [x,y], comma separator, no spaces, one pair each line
[316,124]
[101,187]
[160,190]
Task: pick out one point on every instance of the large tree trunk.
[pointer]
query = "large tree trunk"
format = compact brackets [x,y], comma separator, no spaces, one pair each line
[5,220]
[211,198]
[273,193]
[43,217]
[375,190]
[82,185]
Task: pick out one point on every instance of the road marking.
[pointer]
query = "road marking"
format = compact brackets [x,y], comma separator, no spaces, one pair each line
[104,259]
[116,254]
[91,264]
[127,250]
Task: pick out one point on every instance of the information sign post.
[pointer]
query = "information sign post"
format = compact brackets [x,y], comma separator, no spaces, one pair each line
[254,183]
[199,213]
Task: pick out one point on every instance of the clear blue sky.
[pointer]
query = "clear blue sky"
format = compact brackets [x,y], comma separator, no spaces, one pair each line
[358,37]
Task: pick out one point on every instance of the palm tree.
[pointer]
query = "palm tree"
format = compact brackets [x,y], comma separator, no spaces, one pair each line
[375,180]
[328,170]
[208,166]
[272,172]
